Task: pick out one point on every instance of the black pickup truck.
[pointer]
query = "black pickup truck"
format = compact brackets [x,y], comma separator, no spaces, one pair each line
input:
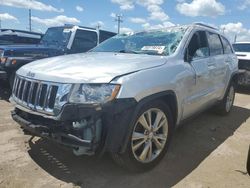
[61,40]
[15,36]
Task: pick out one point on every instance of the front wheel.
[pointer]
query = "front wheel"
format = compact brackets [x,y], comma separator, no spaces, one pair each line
[226,104]
[149,138]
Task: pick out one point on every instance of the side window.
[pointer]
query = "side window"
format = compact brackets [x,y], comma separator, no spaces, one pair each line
[105,35]
[198,46]
[226,46]
[215,44]
[84,41]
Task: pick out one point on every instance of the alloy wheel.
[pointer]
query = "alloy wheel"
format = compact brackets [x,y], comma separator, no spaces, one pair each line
[150,135]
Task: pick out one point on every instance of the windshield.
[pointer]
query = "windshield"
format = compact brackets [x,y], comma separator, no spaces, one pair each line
[242,47]
[57,36]
[160,42]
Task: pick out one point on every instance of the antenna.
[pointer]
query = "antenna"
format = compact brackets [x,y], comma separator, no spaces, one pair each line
[98,26]
[119,21]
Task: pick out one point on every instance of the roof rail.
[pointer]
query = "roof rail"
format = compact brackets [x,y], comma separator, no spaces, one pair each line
[205,25]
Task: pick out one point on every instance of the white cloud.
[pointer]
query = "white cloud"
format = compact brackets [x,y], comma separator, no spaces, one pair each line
[98,23]
[153,6]
[154,9]
[137,20]
[210,8]
[148,26]
[232,29]
[125,4]
[79,8]
[34,4]
[244,5]
[157,13]
[125,30]
[56,21]
[150,2]
[113,15]
[6,16]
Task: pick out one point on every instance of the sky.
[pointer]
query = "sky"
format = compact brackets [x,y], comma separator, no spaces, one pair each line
[231,16]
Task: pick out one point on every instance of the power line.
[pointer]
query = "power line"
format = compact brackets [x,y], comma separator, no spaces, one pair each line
[119,20]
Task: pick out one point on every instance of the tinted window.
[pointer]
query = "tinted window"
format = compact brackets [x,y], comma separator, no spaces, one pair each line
[104,35]
[244,47]
[56,36]
[215,44]
[226,46]
[198,46]
[84,41]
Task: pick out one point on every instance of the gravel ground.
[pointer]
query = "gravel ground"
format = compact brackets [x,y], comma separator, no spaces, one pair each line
[208,151]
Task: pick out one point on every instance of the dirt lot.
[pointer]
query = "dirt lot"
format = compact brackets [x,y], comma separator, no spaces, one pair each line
[209,151]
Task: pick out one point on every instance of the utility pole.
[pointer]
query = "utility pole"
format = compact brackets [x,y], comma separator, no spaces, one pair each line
[235,38]
[119,21]
[0,23]
[30,19]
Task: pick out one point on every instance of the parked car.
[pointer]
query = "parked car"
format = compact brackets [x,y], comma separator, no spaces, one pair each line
[14,36]
[242,50]
[127,95]
[66,39]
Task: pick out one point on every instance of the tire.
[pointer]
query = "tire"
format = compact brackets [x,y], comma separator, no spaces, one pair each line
[143,152]
[225,106]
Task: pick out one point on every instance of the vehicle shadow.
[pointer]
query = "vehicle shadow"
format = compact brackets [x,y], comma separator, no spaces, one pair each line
[192,143]
[5,91]
[243,90]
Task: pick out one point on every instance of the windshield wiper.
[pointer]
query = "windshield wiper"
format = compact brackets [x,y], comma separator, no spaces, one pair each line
[128,51]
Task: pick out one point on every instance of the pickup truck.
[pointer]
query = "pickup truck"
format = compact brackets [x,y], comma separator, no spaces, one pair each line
[14,36]
[242,50]
[62,40]
[127,95]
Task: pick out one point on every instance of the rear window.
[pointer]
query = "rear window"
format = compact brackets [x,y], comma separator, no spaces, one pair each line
[215,44]
[226,46]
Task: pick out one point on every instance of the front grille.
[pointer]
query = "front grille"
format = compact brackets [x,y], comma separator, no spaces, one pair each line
[38,95]
[244,64]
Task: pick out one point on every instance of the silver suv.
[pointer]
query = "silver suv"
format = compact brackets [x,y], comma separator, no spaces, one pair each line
[127,95]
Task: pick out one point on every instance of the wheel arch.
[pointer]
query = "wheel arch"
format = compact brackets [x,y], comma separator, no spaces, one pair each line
[168,97]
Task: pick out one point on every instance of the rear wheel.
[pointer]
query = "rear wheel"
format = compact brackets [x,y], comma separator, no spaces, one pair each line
[149,138]
[226,104]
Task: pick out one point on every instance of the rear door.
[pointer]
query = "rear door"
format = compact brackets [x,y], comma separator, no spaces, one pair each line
[230,58]
[217,65]
[198,93]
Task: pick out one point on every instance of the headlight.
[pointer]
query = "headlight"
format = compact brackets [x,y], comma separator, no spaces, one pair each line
[94,93]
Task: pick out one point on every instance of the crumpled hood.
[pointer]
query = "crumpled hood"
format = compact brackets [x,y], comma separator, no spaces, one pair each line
[33,51]
[92,67]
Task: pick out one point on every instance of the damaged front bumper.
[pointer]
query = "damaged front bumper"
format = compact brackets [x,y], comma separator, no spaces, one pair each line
[87,129]
[3,73]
